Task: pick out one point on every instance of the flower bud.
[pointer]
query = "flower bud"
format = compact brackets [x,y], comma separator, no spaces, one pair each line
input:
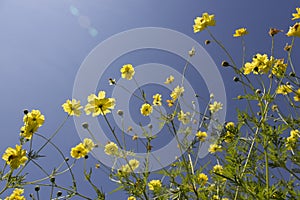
[274,107]
[236,79]
[52,179]
[258,91]
[135,137]
[207,42]
[59,193]
[225,64]
[120,112]
[287,47]
[37,188]
[239,97]
[274,31]
[85,125]
[292,74]
[192,52]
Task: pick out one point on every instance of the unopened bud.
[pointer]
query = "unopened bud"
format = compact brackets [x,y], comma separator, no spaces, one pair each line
[85,125]
[192,52]
[287,47]
[37,188]
[274,107]
[59,193]
[236,79]
[225,64]
[120,112]
[274,31]
[135,137]
[258,91]
[52,179]
[207,42]
[292,74]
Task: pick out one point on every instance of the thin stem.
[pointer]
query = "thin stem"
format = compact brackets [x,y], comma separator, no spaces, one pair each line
[267,170]
[112,130]
[290,58]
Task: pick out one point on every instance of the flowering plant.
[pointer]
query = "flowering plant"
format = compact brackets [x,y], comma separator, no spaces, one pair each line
[256,156]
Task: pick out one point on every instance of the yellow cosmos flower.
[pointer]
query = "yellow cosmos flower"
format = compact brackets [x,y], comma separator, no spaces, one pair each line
[154,185]
[203,22]
[291,141]
[215,197]
[248,68]
[279,68]
[131,198]
[16,195]
[218,169]
[72,107]
[240,32]
[201,135]
[34,116]
[146,109]
[296,15]
[169,80]
[127,71]
[176,93]
[260,64]
[184,117]
[15,157]
[134,164]
[295,133]
[99,104]
[213,148]
[125,169]
[294,30]
[79,151]
[29,129]
[202,179]
[297,95]
[170,102]
[229,136]
[215,107]
[284,89]
[157,100]
[229,125]
[111,149]
[88,144]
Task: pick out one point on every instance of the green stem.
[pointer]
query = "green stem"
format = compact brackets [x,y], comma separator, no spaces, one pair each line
[267,170]
[112,130]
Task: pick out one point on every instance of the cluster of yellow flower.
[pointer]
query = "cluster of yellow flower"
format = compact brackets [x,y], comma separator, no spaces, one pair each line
[17,156]
[111,149]
[154,185]
[132,165]
[82,149]
[295,30]
[262,64]
[32,121]
[16,195]
[292,139]
[203,22]
[285,89]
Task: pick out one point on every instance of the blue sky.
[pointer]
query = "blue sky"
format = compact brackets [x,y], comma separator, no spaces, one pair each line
[43,44]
